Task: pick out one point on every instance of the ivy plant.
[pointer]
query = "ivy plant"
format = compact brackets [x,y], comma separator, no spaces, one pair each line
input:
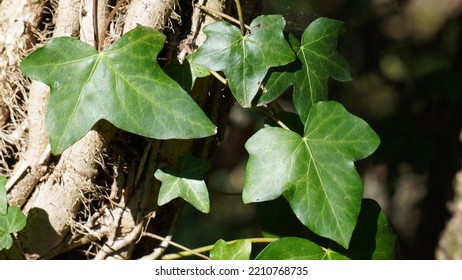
[306,159]
[12,219]
[187,181]
[122,84]
[245,59]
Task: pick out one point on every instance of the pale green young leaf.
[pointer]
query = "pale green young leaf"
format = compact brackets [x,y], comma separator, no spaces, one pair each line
[236,250]
[186,181]
[122,84]
[245,60]
[6,241]
[314,172]
[12,222]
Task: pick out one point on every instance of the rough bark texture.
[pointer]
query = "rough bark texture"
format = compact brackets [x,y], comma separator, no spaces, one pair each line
[19,23]
[450,243]
[57,191]
[152,13]
[57,201]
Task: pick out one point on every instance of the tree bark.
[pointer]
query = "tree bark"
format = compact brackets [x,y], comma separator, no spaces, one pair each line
[52,189]
[19,24]
[450,242]
[57,201]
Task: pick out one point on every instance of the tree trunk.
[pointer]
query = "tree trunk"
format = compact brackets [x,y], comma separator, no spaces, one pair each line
[101,191]
[450,242]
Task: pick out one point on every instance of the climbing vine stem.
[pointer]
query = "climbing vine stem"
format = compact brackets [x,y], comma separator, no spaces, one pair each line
[241,18]
[190,252]
[223,15]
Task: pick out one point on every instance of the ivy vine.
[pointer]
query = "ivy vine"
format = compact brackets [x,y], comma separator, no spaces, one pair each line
[310,164]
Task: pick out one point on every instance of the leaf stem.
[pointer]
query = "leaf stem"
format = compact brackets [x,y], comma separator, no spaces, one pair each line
[200,250]
[187,251]
[219,77]
[271,116]
[95,24]
[241,18]
[223,15]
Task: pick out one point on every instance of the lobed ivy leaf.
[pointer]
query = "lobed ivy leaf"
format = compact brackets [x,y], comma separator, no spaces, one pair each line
[373,238]
[236,250]
[294,248]
[122,84]
[5,241]
[12,222]
[186,181]
[314,172]
[11,218]
[245,60]
[317,61]
[3,197]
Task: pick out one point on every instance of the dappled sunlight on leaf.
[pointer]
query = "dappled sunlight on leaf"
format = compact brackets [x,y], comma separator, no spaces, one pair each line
[314,172]
[122,84]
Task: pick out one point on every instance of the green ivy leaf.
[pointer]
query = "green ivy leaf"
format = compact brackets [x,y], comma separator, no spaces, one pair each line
[122,84]
[294,248]
[187,182]
[236,250]
[245,60]
[12,222]
[317,61]
[5,241]
[314,172]
[3,197]
[373,237]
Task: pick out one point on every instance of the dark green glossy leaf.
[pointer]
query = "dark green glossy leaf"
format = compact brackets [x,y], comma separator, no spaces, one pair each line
[122,84]
[294,248]
[13,221]
[317,61]
[314,172]
[373,237]
[236,250]
[245,60]
[186,181]
[3,197]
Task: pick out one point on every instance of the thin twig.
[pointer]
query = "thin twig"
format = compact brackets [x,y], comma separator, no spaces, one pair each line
[95,24]
[25,165]
[196,21]
[107,21]
[241,18]
[127,240]
[271,116]
[159,251]
[191,252]
[223,15]
[219,77]
[179,255]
